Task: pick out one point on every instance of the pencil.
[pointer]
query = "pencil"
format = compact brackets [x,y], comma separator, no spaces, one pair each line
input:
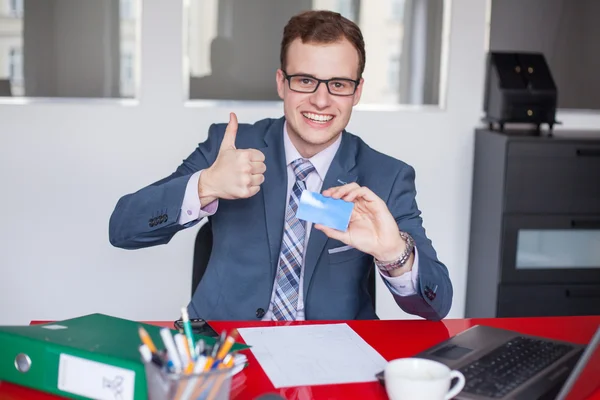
[226,346]
[146,339]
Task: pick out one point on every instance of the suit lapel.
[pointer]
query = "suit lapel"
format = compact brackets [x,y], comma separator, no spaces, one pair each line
[337,175]
[274,189]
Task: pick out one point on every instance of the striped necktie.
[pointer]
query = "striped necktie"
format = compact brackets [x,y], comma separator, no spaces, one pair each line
[285,301]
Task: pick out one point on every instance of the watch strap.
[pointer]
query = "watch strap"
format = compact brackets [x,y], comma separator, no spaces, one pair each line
[404,257]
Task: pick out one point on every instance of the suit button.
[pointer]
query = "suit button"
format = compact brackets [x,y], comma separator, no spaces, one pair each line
[429,293]
[260,313]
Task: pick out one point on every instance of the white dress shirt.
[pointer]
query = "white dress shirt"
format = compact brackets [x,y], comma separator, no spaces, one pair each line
[191,210]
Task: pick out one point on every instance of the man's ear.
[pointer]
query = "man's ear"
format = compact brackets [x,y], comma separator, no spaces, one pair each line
[280,79]
[358,92]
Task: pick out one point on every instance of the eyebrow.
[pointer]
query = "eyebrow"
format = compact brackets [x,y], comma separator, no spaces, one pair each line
[312,76]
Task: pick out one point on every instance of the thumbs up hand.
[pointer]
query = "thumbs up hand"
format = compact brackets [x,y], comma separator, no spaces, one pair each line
[235,174]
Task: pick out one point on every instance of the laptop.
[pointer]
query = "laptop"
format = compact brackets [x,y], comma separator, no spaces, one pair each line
[502,364]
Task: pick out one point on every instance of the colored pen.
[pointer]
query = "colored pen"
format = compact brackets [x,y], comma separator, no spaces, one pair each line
[187,327]
[146,339]
[148,356]
[209,363]
[217,345]
[146,353]
[190,365]
[182,349]
[172,352]
[229,361]
[200,348]
[200,364]
[226,346]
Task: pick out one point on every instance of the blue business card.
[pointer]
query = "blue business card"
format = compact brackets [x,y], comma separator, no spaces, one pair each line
[318,209]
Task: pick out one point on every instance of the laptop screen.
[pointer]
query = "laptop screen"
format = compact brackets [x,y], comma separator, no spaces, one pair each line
[584,381]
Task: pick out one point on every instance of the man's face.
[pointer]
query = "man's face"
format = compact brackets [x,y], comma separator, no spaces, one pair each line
[314,120]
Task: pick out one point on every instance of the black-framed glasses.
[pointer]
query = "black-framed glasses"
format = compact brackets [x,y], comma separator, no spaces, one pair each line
[310,84]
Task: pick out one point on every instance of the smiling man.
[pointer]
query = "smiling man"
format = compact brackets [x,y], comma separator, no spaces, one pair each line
[247,179]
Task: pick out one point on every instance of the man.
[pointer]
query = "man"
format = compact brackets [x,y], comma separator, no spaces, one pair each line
[265,263]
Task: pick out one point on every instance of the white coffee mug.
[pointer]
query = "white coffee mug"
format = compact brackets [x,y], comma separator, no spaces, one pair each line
[419,378]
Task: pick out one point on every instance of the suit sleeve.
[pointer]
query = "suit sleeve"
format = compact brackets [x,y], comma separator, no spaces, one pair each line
[434,288]
[150,216]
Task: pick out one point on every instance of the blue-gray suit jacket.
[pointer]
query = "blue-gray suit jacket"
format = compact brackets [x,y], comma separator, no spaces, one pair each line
[247,233]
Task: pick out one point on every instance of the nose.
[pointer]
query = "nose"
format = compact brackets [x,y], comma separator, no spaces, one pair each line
[321,98]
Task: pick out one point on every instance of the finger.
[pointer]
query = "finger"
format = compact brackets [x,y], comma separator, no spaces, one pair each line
[352,194]
[332,233]
[361,193]
[257,168]
[230,133]
[341,191]
[331,192]
[247,191]
[253,190]
[256,155]
[256,180]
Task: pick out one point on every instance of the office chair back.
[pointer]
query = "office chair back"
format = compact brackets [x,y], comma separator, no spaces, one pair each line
[371,284]
[5,88]
[203,248]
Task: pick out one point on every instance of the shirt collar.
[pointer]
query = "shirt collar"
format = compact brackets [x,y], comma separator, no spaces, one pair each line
[321,161]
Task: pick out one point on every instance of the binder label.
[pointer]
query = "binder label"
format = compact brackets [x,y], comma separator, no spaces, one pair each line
[54,327]
[94,379]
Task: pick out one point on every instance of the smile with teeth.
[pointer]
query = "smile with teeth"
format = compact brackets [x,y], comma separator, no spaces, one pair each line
[318,117]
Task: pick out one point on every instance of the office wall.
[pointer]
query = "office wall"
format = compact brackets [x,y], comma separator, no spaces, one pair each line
[564,31]
[64,165]
[591,58]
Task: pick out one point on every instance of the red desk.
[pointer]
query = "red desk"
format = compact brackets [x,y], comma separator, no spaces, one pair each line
[392,339]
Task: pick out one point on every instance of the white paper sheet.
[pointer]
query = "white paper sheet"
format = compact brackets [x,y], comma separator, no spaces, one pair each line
[313,354]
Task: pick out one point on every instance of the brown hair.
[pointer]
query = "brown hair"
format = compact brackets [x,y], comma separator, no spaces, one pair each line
[322,27]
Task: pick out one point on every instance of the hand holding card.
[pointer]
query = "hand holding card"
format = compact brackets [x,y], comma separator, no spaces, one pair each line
[318,209]
[372,229]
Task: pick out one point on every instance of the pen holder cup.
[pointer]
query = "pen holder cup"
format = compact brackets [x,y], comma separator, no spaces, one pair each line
[212,385]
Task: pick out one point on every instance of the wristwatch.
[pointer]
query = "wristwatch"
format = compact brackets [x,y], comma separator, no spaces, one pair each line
[400,261]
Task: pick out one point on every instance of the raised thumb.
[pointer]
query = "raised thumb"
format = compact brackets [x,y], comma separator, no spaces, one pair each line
[230,133]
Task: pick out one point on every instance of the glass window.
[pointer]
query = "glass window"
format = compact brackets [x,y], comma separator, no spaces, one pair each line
[127,9]
[397,9]
[68,48]
[16,8]
[558,249]
[15,70]
[233,47]
[347,9]
[127,75]
[394,74]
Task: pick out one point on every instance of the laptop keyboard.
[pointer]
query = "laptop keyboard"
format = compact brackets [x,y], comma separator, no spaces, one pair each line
[498,373]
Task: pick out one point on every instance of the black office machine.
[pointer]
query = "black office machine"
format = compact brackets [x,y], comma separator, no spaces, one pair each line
[534,245]
[519,88]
